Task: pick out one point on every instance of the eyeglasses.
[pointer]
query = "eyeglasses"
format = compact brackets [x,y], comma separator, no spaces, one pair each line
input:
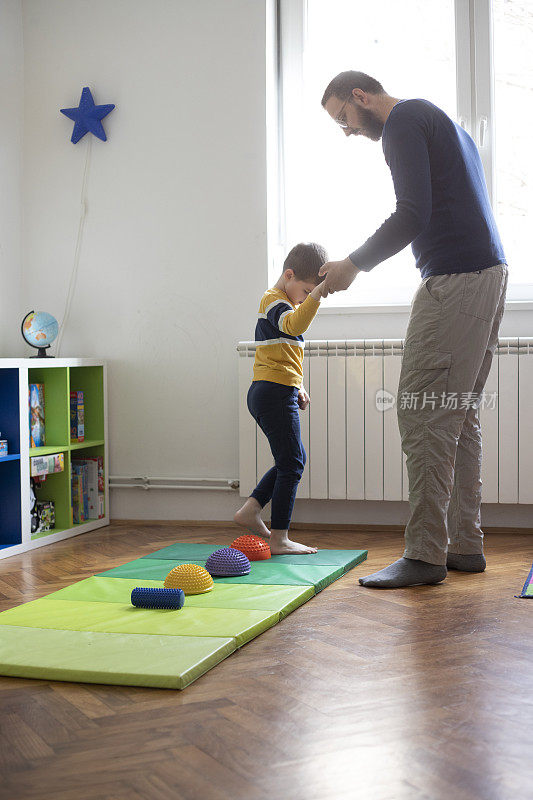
[338,119]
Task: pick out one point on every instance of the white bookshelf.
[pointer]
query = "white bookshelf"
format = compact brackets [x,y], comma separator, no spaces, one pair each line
[59,376]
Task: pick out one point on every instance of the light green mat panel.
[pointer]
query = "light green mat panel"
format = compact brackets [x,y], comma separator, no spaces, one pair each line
[165,662]
[261,572]
[283,599]
[240,623]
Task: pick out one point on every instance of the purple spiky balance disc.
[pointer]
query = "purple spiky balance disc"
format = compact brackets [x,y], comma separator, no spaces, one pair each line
[228,563]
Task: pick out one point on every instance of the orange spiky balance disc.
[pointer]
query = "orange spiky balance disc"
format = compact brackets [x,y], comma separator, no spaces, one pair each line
[192,578]
[255,548]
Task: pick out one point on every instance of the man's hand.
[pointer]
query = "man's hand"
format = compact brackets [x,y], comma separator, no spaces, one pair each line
[303,399]
[339,275]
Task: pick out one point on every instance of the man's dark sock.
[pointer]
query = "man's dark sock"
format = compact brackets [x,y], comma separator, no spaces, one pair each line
[405,572]
[466,563]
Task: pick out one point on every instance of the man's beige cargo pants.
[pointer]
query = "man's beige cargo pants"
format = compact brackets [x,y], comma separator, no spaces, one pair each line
[448,348]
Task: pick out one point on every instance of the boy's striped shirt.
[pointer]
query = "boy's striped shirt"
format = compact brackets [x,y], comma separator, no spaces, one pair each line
[279,342]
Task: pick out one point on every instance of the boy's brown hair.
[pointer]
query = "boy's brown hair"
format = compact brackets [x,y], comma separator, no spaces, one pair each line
[305,259]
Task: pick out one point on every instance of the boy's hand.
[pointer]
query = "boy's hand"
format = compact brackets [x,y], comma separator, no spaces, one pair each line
[303,399]
[318,291]
[340,275]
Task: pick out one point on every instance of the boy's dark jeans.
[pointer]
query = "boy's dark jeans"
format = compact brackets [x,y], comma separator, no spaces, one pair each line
[274,407]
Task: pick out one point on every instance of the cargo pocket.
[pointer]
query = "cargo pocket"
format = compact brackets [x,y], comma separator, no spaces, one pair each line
[424,371]
[481,294]
[434,288]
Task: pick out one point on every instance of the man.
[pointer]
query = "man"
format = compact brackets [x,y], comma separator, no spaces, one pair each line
[443,210]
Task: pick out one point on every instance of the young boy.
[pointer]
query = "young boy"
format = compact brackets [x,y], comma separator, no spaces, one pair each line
[285,312]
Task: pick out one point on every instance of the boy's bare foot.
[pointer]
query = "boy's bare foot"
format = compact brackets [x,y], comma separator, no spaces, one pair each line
[249,517]
[281,545]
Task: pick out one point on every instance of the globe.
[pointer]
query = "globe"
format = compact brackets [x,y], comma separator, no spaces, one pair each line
[39,329]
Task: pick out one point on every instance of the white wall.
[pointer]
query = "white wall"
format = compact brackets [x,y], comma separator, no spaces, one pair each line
[11,110]
[174,256]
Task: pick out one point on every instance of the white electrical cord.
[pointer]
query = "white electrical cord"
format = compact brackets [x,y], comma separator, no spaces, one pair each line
[81,226]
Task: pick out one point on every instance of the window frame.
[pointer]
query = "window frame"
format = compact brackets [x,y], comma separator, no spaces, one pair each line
[475,113]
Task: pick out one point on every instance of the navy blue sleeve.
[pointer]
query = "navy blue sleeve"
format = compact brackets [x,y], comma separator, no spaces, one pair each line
[405,146]
[275,311]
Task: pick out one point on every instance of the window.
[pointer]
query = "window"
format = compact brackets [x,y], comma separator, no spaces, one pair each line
[337,190]
[513,157]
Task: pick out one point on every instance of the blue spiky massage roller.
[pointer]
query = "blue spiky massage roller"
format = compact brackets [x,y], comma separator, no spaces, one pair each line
[157,598]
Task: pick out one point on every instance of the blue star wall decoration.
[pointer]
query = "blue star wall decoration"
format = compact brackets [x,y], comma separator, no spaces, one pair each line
[87,117]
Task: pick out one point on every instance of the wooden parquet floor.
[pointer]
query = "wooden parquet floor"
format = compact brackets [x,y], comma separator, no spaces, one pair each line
[422,693]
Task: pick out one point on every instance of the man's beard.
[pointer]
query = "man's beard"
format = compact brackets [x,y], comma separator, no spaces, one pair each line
[371,124]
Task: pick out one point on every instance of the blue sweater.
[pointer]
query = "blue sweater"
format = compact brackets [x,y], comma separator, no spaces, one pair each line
[442,204]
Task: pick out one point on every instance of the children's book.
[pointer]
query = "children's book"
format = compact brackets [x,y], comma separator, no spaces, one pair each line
[81,469]
[47,465]
[46,515]
[77,417]
[36,413]
[77,499]
[91,471]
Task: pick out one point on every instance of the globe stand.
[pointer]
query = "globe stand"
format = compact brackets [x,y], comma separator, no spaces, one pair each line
[41,351]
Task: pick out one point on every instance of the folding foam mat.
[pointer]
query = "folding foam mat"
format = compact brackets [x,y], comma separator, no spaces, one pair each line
[90,632]
[527,588]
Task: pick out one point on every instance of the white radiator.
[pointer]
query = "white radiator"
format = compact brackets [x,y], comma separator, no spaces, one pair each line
[353,445]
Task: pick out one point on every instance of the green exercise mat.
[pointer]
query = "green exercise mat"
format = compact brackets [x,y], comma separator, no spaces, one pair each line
[165,662]
[240,623]
[90,631]
[263,572]
[283,599]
